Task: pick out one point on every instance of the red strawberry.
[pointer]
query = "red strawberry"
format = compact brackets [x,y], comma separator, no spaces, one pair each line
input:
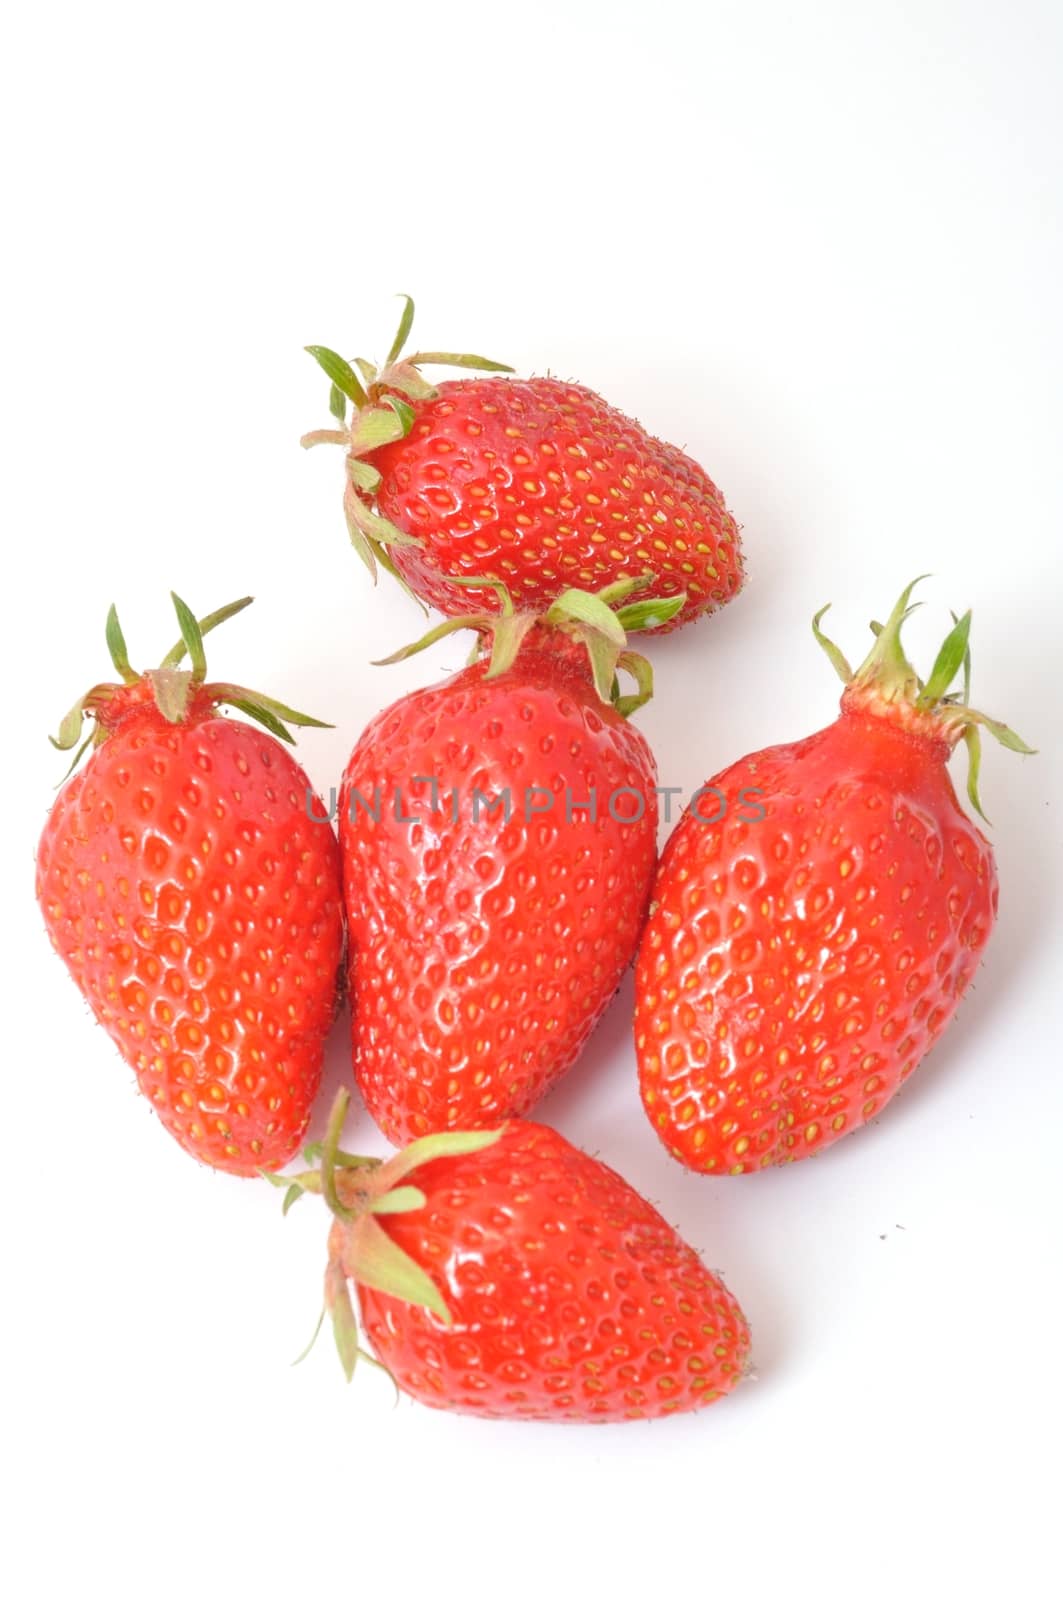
[538,485]
[517,1277]
[795,969]
[484,947]
[196,903]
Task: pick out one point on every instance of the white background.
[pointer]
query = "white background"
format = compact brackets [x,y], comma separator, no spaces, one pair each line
[820,246]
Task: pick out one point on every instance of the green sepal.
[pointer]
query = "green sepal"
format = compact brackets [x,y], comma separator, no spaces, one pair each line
[837,660]
[965,698]
[887,675]
[368,371]
[314,1152]
[324,436]
[576,605]
[340,371]
[337,402]
[374,427]
[313,1339]
[362,546]
[70,728]
[78,753]
[171,690]
[344,1321]
[396,1201]
[1000,731]
[373,1259]
[621,589]
[438,358]
[642,672]
[950,658]
[603,655]
[192,636]
[434,1147]
[116,647]
[973,740]
[299,719]
[441,631]
[264,718]
[507,636]
[406,377]
[403,332]
[643,614]
[207,624]
[405,413]
[362,475]
[375,528]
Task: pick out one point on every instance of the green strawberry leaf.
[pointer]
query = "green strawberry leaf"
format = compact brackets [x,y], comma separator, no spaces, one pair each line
[344,1327]
[193,638]
[642,672]
[438,358]
[949,660]
[643,614]
[170,689]
[116,646]
[405,324]
[405,413]
[576,605]
[340,372]
[313,1339]
[394,1201]
[373,427]
[362,475]
[406,377]
[376,1261]
[833,654]
[433,1147]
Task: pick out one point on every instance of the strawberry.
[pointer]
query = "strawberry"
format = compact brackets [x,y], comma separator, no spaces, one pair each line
[196,903]
[498,834]
[804,952]
[517,1277]
[536,484]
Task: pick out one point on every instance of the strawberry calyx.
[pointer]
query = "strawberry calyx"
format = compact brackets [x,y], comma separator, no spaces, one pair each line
[598,622]
[381,414]
[887,685]
[358,1190]
[180,694]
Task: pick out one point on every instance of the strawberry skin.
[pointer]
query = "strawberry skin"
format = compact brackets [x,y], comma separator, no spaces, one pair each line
[542,485]
[572,1300]
[483,952]
[198,909]
[796,968]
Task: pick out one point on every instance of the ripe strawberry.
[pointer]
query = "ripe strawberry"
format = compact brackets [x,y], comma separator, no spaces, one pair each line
[517,1277]
[536,484]
[195,902]
[491,914]
[795,969]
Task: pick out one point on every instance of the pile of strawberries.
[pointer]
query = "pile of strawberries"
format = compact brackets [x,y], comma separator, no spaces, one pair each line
[808,932]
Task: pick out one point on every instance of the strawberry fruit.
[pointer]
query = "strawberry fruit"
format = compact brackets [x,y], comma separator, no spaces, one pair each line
[507,1274]
[795,969]
[537,484]
[498,834]
[196,903]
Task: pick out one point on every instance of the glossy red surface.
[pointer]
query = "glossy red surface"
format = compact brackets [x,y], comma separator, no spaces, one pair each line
[572,1298]
[543,485]
[482,952]
[795,970]
[198,909]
